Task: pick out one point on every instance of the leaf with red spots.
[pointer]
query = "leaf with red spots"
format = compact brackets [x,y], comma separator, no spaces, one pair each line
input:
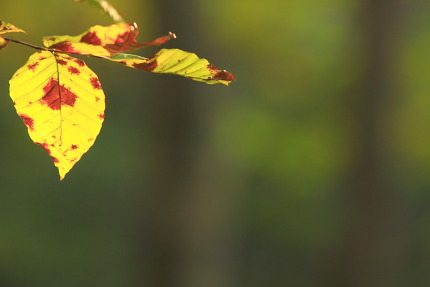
[109,42]
[102,41]
[61,102]
[177,62]
[9,28]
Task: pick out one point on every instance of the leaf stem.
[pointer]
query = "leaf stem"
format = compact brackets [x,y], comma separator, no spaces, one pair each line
[27,44]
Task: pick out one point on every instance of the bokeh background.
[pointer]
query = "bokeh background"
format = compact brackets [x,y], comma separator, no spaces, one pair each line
[311,169]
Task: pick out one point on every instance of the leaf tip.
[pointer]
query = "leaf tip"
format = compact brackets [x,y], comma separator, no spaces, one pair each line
[9,28]
[62,175]
[224,75]
[172,35]
[62,171]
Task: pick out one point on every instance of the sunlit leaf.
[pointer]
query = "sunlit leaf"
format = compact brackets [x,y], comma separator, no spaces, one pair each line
[106,7]
[62,104]
[8,28]
[102,40]
[178,62]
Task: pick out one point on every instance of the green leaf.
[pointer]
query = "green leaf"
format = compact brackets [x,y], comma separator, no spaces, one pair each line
[177,62]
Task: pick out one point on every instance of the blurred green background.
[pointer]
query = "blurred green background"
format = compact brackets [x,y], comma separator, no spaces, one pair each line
[311,169]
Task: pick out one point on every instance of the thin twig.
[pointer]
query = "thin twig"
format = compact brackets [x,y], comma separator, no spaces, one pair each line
[45,49]
[27,44]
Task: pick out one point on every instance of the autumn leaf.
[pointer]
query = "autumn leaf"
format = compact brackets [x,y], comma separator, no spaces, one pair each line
[9,28]
[102,41]
[177,62]
[60,99]
[62,104]
[109,42]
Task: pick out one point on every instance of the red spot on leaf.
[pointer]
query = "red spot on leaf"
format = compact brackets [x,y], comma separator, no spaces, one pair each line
[57,95]
[224,76]
[212,68]
[42,58]
[29,122]
[125,37]
[125,41]
[64,47]
[61,62]
[45,147]
[33,66]
[101,116]
[91,38]
[97,99]
[73,146]
[95,83]
[220,75]
[146,66]
[74,70]
[79,62]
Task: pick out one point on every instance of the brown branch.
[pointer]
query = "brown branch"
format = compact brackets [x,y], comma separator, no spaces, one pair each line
[27,44]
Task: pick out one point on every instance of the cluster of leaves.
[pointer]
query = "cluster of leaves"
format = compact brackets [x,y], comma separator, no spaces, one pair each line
[60,99]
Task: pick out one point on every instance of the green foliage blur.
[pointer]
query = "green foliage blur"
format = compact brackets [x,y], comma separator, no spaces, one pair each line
[291,176]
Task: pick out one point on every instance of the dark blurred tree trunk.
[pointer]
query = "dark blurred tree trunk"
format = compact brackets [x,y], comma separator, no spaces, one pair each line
[177,135]
[371,250]
[182,229]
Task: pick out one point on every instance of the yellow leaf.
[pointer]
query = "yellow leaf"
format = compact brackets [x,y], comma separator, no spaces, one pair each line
[8,28]
[102,41]
[96,41]
[62,104]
